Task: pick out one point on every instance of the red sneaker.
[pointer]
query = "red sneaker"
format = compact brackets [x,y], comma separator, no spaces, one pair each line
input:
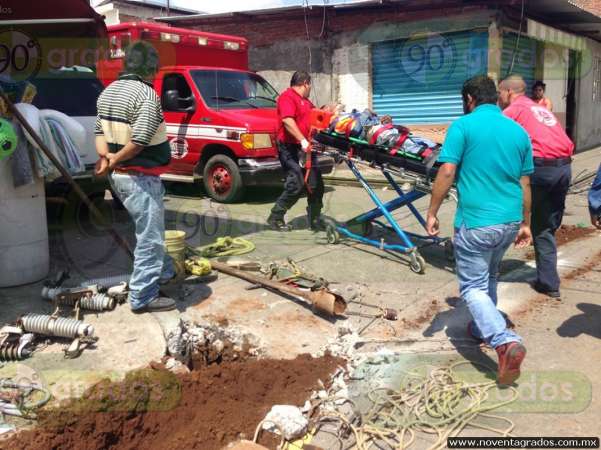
[510,356]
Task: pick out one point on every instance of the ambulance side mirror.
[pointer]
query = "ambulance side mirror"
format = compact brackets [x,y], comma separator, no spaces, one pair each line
[173,102]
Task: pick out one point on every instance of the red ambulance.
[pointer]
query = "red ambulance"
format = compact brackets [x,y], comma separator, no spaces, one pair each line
[221,117]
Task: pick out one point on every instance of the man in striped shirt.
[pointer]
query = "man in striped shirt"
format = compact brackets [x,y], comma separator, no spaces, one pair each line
[131,142]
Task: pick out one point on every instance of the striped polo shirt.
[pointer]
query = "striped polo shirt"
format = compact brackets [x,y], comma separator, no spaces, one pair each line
[129,109]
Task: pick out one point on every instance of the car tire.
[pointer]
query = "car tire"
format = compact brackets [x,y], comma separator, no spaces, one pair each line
[222,180]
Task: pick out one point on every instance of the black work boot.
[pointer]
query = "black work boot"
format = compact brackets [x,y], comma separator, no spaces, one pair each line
[314,218]
[277,223]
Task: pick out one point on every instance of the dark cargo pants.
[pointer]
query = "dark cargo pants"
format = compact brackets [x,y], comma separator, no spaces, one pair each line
[549,189]
[294,184]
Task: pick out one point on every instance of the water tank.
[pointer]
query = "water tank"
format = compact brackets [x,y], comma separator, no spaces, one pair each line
[24,255]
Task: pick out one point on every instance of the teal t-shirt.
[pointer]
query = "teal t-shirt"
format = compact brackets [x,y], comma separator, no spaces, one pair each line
[492,153]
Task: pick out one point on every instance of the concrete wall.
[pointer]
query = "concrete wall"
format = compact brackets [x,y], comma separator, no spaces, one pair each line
[340,47]
[352,75]
[277,63]
[555,76]
[588,115]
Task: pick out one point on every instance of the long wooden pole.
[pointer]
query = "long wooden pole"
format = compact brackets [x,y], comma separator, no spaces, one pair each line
[84,198]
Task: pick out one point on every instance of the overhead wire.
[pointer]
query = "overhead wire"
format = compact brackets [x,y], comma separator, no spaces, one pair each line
[517,41]
[306,7]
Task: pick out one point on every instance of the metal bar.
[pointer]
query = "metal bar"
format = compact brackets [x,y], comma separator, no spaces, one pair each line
[417,215]
[381,206]
[374,243]
[84,198]
[323,300]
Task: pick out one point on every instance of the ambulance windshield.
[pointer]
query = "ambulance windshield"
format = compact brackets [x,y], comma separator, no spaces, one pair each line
[224,89]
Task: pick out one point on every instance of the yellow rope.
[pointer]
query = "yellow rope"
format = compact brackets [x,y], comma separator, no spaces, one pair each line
[437,403]
[223,246]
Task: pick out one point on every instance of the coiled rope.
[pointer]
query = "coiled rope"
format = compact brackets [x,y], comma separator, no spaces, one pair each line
[437,403]
[223,246]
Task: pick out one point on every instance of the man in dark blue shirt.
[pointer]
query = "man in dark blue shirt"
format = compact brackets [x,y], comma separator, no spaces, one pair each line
[594,200]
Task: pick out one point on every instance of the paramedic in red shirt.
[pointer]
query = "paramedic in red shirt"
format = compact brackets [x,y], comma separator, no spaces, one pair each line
[552,150]
[294,126]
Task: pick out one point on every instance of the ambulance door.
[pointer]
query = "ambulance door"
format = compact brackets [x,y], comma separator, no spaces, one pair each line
[180,107]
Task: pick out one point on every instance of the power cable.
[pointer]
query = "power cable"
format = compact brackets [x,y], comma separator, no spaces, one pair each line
[306,6]
[517,42]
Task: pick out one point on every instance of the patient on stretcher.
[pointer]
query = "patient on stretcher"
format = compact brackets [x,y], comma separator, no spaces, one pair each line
[377,139]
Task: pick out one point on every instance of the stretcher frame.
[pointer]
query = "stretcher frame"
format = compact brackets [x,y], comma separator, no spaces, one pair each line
[421,186]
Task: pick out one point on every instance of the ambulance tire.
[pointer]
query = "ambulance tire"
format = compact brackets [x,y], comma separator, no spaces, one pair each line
[222,180]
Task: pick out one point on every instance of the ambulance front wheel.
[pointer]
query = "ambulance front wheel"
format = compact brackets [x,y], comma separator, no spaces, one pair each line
[222,180]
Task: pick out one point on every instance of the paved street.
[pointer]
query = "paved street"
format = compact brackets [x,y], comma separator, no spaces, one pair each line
[561,337]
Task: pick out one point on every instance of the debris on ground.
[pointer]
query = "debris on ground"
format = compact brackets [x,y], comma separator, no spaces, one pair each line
[200,345]
[566,234]
[435,401]
[287,420]
[21,399]
[205,409]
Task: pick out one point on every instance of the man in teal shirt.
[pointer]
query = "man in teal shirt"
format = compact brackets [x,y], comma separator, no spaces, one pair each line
[490,158]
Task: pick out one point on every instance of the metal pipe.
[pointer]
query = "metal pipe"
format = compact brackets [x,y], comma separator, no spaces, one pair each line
[84,198]
[94,302]
[323,300]
[107,282]
[55,326]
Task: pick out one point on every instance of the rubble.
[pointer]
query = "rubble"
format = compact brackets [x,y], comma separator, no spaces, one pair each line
[287,420]
[196,344]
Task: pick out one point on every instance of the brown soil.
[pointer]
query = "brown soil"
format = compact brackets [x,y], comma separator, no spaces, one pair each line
[155,409]
[424,317]
[590,265]
[567,233]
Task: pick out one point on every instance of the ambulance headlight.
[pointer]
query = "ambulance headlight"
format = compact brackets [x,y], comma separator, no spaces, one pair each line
[255,141]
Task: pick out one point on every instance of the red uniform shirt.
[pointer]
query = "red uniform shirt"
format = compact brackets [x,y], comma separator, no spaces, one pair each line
[549,140]
[291,104]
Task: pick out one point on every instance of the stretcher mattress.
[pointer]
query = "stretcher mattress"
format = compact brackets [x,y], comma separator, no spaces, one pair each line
[380,155]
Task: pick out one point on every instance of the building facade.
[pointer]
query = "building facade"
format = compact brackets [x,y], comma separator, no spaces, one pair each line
[120,11]
[410,58]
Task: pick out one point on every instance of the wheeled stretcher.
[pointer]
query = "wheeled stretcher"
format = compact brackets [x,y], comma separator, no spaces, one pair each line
[416,169]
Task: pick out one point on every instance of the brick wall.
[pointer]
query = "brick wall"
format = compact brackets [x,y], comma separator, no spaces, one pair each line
[265,30]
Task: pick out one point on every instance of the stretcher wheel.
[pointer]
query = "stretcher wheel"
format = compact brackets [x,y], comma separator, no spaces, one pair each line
[417,264]
[332,234]
[449,250]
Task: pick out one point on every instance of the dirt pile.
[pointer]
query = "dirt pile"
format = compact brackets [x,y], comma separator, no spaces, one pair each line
[569,233]
[566,234]
[205,409]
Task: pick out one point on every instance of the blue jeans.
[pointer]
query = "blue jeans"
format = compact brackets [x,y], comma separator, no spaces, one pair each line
[478,254]
[142,196]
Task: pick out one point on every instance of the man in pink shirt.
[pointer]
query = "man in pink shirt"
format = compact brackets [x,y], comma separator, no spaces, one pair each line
[552,151]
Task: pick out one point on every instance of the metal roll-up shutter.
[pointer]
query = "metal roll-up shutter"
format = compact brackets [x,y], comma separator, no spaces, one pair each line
[419,80]
[524,62]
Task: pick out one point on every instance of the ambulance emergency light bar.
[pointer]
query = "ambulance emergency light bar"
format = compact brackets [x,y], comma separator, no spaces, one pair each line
[192,40]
